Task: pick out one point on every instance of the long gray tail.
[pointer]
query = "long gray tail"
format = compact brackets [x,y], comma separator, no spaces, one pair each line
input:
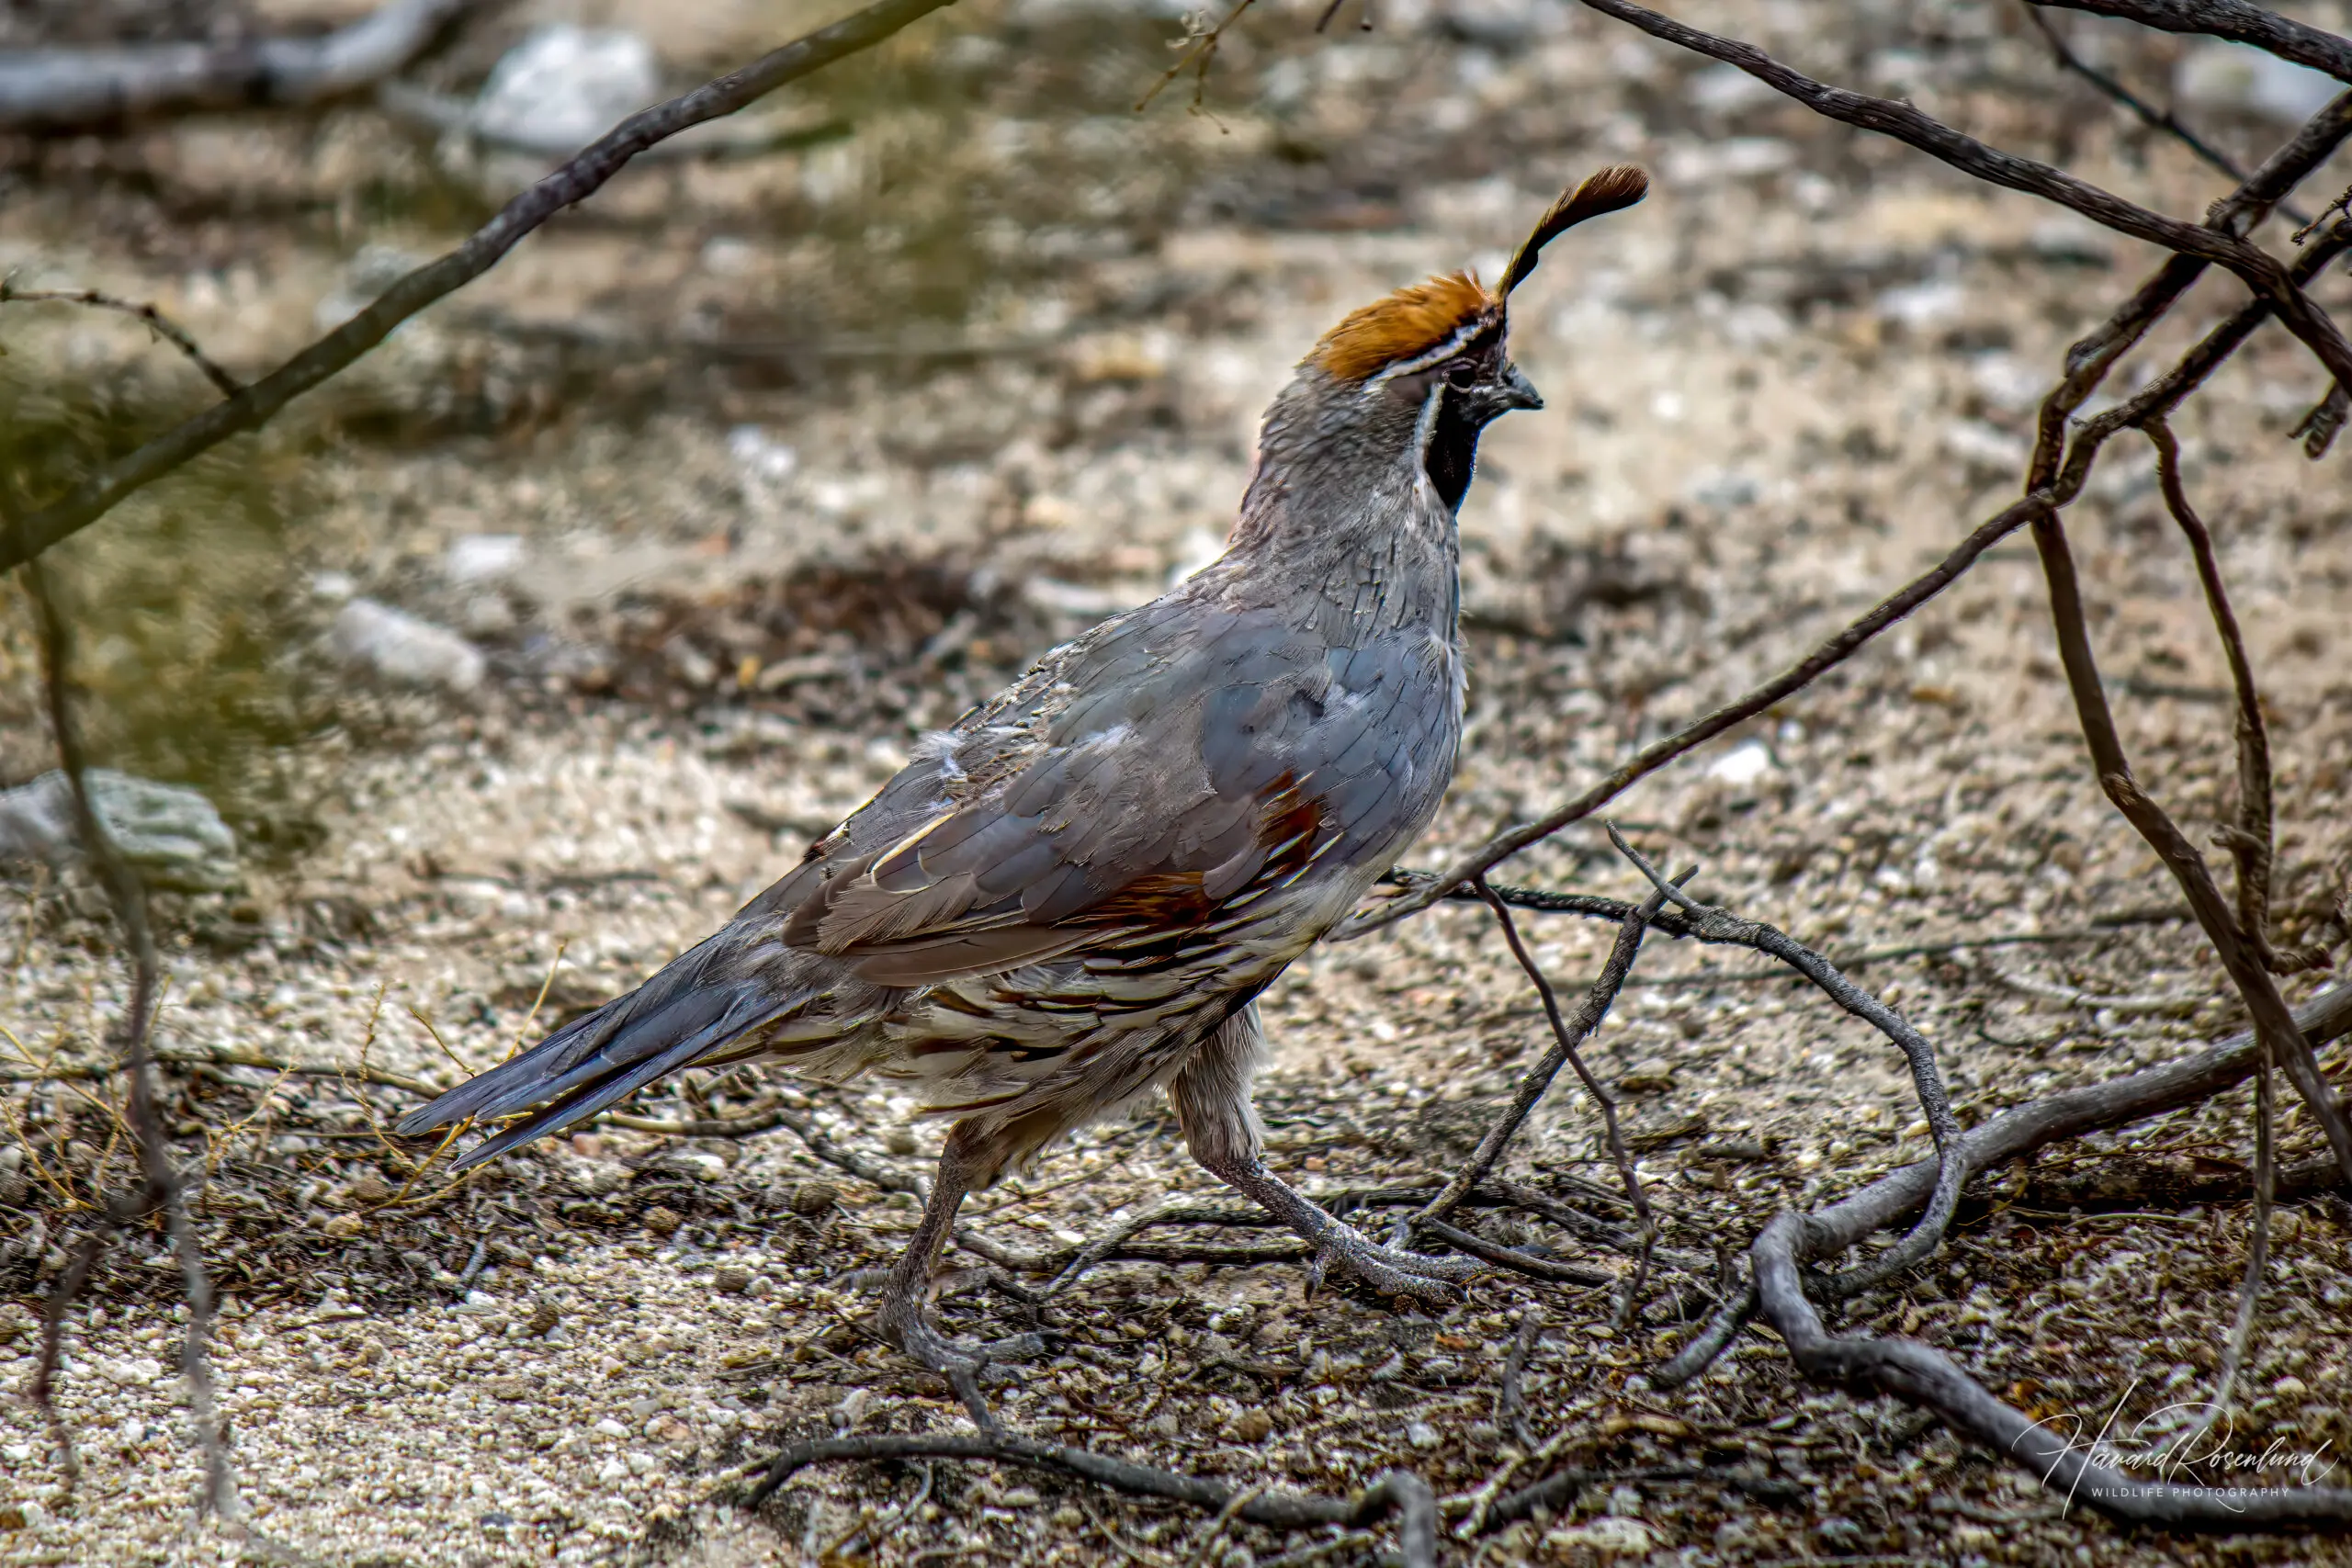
[682,1014]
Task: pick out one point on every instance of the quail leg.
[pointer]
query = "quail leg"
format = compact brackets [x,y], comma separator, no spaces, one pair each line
[1211,1096]
[904,1318]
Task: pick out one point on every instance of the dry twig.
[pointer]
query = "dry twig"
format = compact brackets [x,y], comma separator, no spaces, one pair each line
[2147,114]
[1925,1077]
[2237,20]
[1926,1378]
[1398,1493]
[163,326]
[162,1194]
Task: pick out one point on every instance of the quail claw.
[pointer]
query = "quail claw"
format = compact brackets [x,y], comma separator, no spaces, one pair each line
[1391,1270]
[961,1362]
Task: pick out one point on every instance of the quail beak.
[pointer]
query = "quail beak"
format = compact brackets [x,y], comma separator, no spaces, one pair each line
[1514,390]
[1509,392]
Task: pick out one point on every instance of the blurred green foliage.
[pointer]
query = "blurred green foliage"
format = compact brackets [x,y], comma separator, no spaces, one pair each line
[182,604]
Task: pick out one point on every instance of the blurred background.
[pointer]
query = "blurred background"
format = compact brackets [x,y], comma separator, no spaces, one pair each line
[505,664]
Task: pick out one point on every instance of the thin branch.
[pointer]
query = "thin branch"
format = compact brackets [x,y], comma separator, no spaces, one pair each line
[1926,1377]
[2147,114]
[2238,20]
[1477,861]
[162,1190]
[1561,1488]
[1510,1402]
[572,182]
[1398,1493]
[226,1056]
[1199,46]
[2006,1137]
[1566,1037]
[163,326]
[2218,244]
[1541,900]
[743,1126]
[2244,966]
[2180,1006]
[2258,1258]
[1925,1077]
[2168,391]
[2317,430]
[2252,842]
[1551,1270]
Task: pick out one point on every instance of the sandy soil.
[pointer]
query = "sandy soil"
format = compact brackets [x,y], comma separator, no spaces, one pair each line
[765,543]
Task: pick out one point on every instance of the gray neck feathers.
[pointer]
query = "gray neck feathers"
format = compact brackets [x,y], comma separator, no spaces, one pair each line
[1340,521]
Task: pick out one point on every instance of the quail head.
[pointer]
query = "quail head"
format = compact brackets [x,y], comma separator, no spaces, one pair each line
[1071,897]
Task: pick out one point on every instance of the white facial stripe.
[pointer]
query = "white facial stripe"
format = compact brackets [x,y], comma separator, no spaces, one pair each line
[1444,351]
[1425,427]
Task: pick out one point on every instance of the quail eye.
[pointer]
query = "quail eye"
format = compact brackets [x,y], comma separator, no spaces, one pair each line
[1460,374]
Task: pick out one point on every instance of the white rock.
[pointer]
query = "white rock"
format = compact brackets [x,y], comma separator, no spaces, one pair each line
[613,1470]
[1732,158]
[479,558]
[1728,87]
[563,86]
[1196,549]
[1984,445]
[2236,77]
[140,1372]
[174,837]
[762,455]
[1722,488]
[371,269]
[1608,1535]
[609,1427]
[401,648]
[2009,382]
[1743,763]
[1923,304]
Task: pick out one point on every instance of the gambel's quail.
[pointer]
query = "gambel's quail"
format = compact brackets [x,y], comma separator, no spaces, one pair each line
[1073,896]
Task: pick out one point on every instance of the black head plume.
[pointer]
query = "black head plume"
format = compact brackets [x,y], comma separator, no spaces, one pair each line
[1619,186]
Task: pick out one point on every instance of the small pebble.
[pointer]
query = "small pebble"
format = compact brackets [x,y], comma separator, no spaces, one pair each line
[662,1222]
[814,1197]
[369,1190]
[1253,1425]
[730,1280]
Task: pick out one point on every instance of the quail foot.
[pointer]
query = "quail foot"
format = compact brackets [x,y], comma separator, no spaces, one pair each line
[1070,899]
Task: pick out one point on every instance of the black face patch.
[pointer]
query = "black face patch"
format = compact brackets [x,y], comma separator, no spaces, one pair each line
[1452,451]
[1463,408]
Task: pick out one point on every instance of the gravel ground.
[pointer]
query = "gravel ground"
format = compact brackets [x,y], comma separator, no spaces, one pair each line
[744,584]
